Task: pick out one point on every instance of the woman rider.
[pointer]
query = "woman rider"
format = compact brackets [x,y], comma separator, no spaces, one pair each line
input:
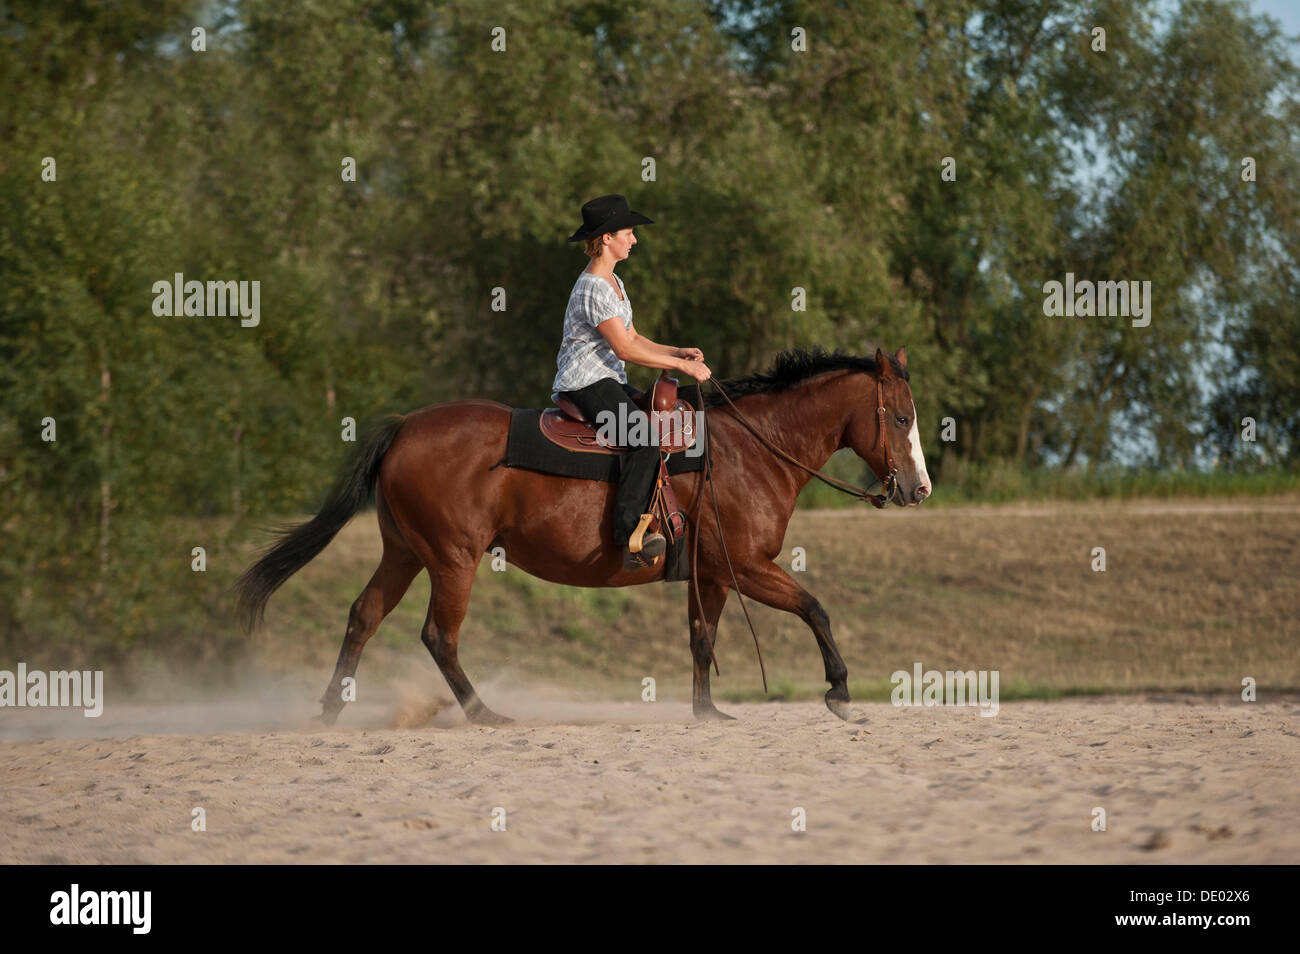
[592,355]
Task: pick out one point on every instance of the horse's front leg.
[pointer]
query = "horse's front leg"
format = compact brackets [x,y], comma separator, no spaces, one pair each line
[772,586]
[703,629]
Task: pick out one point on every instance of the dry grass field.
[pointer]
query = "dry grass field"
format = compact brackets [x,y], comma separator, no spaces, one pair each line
[1196,595]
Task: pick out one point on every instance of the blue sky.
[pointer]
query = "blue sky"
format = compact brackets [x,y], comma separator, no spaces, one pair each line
[1288,11]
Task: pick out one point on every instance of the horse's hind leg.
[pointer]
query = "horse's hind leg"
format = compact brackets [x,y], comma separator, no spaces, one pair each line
[390,581]
[448,603]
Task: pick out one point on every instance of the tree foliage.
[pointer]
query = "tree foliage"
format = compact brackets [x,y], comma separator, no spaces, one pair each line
[775,168]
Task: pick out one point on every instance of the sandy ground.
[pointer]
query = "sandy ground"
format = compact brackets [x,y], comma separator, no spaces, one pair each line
[1181,780]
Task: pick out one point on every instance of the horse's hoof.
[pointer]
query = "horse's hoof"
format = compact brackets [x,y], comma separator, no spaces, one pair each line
[485,716]
[326,718]
[712,714]
[840,707]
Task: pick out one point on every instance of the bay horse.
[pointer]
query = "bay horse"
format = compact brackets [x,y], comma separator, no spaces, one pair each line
[441,507]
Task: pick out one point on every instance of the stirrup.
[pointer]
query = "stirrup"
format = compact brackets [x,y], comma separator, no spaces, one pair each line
[635,541]
[642,552]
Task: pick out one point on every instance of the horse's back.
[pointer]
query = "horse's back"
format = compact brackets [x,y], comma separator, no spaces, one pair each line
[462,428]
[460,404]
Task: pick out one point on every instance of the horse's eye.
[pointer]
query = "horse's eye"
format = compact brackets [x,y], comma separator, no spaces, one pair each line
[902,421]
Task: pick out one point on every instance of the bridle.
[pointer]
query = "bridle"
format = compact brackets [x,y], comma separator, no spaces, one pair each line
[888,483]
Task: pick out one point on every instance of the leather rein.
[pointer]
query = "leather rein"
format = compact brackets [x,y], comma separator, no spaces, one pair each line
[889,484]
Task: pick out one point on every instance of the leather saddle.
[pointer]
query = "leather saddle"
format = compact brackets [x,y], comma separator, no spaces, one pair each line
[671,418]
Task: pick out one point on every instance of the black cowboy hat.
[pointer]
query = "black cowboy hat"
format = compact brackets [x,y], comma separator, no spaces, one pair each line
[608,213]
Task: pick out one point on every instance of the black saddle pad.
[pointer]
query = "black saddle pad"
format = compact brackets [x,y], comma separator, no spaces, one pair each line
[526,447]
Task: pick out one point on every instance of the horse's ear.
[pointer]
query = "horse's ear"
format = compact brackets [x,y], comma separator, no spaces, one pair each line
[901,356]
[883,370]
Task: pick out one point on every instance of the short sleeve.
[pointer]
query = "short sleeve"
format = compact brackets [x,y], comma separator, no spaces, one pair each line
[597,303]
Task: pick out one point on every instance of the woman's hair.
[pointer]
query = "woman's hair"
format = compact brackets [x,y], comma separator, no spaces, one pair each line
[593,246]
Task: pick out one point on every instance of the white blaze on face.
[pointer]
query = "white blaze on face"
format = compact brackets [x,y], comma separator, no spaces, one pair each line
[918,456]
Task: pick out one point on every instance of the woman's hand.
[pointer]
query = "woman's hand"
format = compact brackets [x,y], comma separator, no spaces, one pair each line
[690,354]
[697,369]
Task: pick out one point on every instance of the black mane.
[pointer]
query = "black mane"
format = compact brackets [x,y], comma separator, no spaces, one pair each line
[793,367]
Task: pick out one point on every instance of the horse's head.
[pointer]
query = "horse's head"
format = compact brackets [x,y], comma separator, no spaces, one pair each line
[901,437]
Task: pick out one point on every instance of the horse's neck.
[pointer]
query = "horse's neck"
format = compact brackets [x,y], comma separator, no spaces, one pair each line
[807,422]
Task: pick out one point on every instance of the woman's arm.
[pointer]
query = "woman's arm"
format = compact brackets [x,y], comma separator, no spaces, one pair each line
[667,350]
[635,348]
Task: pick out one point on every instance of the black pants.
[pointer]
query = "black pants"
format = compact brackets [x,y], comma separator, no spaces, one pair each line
[638,467]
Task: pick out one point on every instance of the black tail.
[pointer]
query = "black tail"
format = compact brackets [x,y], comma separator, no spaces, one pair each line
[295,547]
